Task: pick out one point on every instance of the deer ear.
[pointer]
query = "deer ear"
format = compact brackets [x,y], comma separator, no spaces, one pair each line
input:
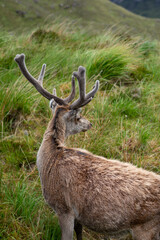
[53,105]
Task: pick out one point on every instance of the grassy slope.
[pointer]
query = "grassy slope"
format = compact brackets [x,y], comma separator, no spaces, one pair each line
[96,16]
[125,114]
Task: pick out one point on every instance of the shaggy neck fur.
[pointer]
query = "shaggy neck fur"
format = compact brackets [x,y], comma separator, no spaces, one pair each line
[56,128]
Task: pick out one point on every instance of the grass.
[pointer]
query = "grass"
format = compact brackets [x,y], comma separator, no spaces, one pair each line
[24,214]
[111,64]
[125,114]
[95,17]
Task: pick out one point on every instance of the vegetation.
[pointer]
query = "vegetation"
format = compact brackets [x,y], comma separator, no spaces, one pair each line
[20,15]
[125,114]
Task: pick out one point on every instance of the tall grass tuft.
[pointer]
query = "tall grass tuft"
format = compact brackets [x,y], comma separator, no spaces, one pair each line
[112,65]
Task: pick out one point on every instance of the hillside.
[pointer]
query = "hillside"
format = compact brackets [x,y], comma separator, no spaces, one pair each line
[147,8]
[20,15]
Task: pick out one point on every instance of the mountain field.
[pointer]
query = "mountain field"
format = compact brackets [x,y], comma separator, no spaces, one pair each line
[125,113]
[21,15]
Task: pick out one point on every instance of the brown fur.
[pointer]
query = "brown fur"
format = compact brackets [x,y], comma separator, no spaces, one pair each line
[105,195]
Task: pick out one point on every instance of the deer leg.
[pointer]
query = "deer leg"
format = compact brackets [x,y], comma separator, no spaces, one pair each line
[146,236]
[147,231]
[78,230]
[66,222]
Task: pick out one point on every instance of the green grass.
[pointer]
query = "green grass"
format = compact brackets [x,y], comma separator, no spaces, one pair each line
[24,214]
[95,17]
[125,114]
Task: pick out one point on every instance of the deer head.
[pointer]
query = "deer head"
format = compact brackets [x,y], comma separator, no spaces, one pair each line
[70,114]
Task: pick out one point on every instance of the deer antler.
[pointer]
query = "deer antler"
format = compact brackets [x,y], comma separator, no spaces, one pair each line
[83,97]
[38,84]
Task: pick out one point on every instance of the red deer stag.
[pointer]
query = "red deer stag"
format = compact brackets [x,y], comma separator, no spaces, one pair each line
[107,196]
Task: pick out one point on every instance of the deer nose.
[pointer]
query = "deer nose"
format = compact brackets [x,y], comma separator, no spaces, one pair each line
[90,125]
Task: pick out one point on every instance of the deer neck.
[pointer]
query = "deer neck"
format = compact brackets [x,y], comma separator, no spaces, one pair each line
[53,139]
[56,131]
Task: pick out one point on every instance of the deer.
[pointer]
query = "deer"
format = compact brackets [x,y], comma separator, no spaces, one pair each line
[105,195]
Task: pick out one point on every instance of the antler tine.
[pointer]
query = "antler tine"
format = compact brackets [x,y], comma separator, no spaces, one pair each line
[41,75]
[73,92]
[20,59]
[94,90]
[81,77]
[54,92]
[83,98]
